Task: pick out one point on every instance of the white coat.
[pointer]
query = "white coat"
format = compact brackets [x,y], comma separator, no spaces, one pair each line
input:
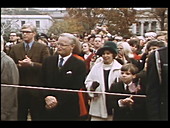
[98,104]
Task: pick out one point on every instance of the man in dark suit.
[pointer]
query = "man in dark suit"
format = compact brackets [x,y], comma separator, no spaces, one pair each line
[157,85]
[29,56]
[61,105]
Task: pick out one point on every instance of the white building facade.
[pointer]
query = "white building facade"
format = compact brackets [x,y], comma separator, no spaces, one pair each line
[42,22]
[145,23]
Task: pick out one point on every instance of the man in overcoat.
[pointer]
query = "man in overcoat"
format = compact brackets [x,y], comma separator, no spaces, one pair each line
[157,85]
[63,71]
[9,75]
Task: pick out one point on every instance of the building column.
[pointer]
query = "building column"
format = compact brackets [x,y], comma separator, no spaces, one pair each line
[142,28]
[158,28]
[149,26]
[134,28]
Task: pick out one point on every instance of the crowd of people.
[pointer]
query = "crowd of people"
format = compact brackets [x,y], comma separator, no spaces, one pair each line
[99,63]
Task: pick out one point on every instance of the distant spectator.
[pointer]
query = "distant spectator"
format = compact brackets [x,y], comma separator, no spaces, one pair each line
[87,54]
[135,46]
[125,54]
[42,38]
[53,44]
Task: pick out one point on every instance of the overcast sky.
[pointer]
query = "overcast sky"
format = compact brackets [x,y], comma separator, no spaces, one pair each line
[51,8]
[64,8]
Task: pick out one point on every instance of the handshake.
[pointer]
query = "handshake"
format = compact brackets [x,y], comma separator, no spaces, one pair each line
[94,85]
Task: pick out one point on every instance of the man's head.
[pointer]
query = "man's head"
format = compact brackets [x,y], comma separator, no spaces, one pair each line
[66,43]
[28,32]
[13,37]
[98,43]
[128,72]
[153,45]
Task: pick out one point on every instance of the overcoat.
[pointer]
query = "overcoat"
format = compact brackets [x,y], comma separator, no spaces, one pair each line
[156,90]
[9,101]
[70,76]
[98,104]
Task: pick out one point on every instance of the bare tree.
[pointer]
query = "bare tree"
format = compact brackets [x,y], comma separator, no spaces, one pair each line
[161,14]
[6,26]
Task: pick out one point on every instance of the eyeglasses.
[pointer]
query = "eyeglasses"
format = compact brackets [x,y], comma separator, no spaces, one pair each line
[26,31]
[13,35]
[62,45]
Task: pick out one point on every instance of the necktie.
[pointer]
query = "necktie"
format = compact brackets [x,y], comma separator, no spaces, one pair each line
[61,62]
[27,48]
[127,87]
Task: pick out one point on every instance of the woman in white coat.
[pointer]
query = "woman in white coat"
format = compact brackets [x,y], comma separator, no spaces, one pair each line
[99,79]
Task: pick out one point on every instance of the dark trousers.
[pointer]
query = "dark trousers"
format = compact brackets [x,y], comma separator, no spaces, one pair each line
[32,100]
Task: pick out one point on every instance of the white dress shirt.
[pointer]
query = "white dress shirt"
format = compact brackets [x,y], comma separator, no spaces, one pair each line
[65,58]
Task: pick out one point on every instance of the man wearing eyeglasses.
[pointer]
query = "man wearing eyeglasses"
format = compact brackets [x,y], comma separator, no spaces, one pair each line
[29,56]
[63,71]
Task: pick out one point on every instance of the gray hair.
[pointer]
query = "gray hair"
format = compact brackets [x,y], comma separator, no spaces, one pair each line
[73,40]
[126,47]
[70,36]
[29,25]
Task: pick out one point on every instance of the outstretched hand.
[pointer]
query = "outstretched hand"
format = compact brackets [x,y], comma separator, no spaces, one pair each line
[128,101]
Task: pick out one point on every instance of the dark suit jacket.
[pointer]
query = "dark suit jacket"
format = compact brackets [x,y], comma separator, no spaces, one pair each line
[70,76]
[135,112]
[157,93]
[30,75]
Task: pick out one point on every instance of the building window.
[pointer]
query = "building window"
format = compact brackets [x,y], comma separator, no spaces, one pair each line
[146,27]
[22,23]
[38,24]
[138,29]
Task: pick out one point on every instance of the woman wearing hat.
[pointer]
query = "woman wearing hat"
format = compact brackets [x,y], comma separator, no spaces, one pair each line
[99,79]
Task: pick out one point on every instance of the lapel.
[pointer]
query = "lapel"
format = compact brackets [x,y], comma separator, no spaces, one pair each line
[68,62]
[22,50]
[68,66]
[122,88]
[55,64]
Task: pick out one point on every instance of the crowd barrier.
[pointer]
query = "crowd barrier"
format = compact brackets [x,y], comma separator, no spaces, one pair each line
[70,90]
